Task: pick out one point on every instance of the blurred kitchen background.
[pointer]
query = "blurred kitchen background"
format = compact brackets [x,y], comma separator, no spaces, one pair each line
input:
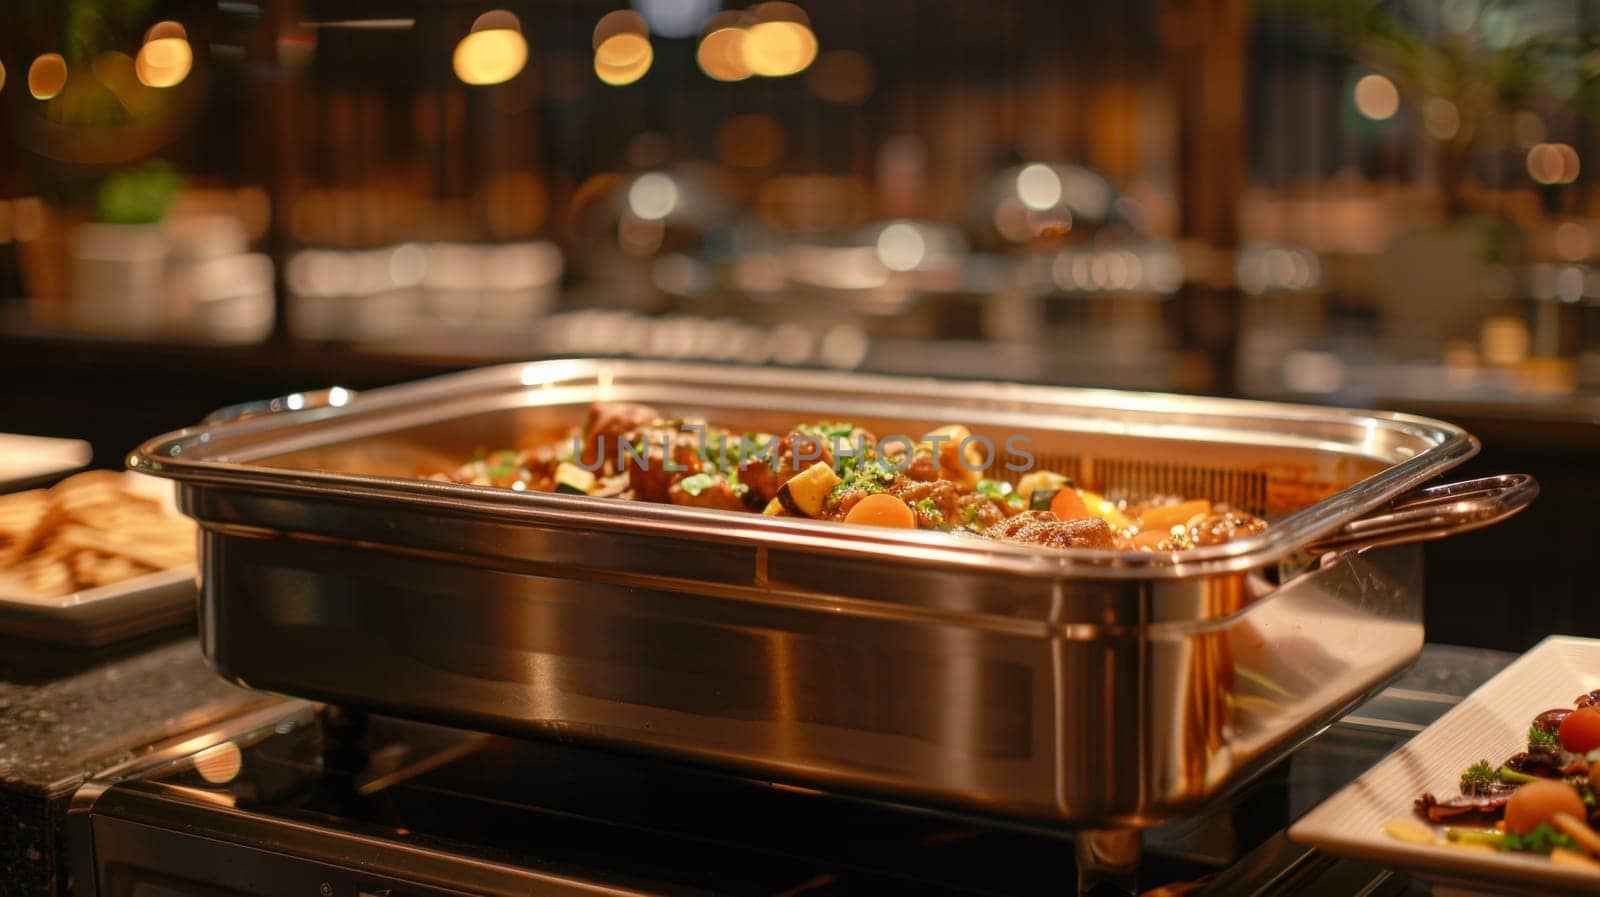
[1388,204]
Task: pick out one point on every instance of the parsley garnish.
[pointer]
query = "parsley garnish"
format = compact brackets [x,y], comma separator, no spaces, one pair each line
[1478,777]
[1543,839]
[698,483]
[993,488]
[1538,737]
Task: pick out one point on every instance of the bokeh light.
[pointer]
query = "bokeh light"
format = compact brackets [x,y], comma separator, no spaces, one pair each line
[842,77]
[721,55]
[1039,187]
[780,48]
[652,196]
[1441,118]
[620,21]
[493,52]
[901,246]
[1377,98]
[47,75]
[496,20]
[1553,163]
[165,29]
[166,57]
[623,58]
[675,18]
[1573,241]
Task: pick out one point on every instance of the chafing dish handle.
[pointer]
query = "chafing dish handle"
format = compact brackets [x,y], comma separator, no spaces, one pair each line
[332,397]
[1434,512]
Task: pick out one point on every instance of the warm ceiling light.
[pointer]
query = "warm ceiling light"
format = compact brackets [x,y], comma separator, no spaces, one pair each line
[47,75]
[1441,118]
[623,58]
[1377,98]
[620,21]
[497,20]
[776,49]
[1553,163]
[165,58]
[779,11]
[2,76]
[653,196]
[491,56]
[1039,187]
[721,55]
[165,29]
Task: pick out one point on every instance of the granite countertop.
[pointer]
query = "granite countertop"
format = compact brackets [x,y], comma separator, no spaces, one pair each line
[66,714]
[55,729]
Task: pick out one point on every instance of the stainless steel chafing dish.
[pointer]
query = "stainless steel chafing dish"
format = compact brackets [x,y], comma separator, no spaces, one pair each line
[1064,686]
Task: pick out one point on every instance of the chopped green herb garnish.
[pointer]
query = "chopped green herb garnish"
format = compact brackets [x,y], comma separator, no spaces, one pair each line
[868,478]
[1538,737]
[1478,776]
[697,483]
[1543,839]
[826,429]
[993,488]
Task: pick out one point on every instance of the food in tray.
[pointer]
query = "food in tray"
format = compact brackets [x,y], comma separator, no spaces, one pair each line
[87,531]
[946,479]
[1542,800]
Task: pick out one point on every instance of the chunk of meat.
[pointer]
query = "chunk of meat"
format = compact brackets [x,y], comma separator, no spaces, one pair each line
[933,500]
[1042,528]
[650,476]
[981,511]
[609,424]
[1462,809]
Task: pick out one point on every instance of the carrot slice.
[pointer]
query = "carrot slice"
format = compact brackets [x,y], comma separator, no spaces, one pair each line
[1068,505]
[882,509]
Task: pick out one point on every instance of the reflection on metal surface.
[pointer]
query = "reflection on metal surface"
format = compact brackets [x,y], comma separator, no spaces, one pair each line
[219,765]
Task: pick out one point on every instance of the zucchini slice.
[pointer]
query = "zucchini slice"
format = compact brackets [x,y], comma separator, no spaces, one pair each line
[573,480]
[1040,479]
[804,493]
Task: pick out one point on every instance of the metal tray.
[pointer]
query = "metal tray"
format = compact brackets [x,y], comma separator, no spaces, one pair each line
[1077,687]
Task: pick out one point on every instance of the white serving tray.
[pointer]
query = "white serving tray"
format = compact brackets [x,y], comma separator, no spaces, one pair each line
[109,613]
[1492,723]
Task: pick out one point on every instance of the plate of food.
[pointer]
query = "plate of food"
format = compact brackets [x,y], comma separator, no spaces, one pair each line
[98,557]
[1499,794]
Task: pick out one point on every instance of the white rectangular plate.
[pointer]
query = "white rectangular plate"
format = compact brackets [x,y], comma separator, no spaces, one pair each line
[106,614]
[30,459]
[1492,723]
